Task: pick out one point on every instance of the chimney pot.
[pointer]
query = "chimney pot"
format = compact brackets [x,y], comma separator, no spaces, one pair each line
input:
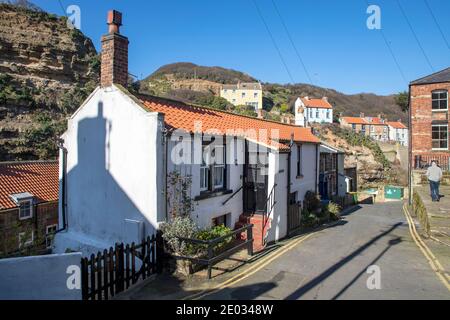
[114,21]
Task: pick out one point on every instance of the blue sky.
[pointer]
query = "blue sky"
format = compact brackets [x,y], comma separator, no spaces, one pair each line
[339,51]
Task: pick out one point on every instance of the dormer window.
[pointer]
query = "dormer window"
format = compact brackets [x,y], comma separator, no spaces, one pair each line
[25,209]
[24,201]
[439,100]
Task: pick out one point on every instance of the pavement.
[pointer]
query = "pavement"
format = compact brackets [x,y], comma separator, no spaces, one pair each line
[329,264]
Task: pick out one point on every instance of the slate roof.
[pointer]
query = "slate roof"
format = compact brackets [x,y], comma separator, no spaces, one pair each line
[438,77]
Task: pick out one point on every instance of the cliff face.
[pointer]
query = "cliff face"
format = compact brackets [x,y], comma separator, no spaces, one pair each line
[46,70]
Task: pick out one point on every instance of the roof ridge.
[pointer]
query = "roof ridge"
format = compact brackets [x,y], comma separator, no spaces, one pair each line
[216,110]
[5,163]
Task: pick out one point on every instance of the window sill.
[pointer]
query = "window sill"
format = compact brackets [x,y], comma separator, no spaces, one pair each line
[439,111]
[212,194]
[300,176]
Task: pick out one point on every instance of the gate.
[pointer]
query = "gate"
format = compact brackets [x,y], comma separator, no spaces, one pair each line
[110,272]
[294,217]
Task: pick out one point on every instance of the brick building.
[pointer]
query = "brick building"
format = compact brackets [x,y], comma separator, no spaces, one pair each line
[28,206]
[430,119]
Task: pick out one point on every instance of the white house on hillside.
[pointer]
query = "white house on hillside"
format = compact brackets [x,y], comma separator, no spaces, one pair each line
[123,154]
[398,132]
[309,111]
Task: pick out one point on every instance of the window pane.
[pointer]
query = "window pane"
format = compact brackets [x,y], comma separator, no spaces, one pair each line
[218,176]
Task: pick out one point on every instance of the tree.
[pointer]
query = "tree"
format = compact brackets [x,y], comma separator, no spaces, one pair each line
[402,100]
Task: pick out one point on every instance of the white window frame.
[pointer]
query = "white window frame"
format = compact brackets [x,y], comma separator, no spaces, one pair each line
[30,215]
[439,125]
[439,99]
[204,183]
[219,166]
[27,243]
[49,243]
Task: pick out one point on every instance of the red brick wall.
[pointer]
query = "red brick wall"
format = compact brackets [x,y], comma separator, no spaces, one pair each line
[421,118]
[114,68]
[45,214]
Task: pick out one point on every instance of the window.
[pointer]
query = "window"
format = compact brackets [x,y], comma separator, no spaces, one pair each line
[328,114]
[317,113]
[299,161]
[439,100]
[243,94]
[311,113]
[234,101]
[26,239]
[363,128]
[50,231]
[354,127]
[212,175]
[25,209]
[439,136]
[255,95]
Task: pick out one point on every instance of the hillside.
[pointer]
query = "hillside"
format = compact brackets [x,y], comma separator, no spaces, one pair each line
[46,70]
[188,82]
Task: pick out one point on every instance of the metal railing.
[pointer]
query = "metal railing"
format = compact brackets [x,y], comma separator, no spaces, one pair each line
[270,204]
[424,161]
[213,257]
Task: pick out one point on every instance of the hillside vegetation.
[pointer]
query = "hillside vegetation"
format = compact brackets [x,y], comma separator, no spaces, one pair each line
[186,81]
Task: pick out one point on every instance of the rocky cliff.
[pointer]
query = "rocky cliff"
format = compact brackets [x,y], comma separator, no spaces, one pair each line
[46,70]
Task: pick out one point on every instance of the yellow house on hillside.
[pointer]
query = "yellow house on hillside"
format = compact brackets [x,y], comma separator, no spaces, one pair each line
[249,94]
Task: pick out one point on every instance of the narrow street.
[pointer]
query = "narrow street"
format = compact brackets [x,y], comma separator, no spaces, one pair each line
[332,264]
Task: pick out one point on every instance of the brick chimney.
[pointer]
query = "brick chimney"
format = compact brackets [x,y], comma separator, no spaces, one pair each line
[325,99]
[114,53]
[361,115]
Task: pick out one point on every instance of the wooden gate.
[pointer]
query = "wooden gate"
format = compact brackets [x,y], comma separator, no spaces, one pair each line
[110,272]
[294,217]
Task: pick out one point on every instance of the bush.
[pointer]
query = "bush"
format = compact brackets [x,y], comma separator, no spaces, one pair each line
[309,220]
[334,210]
[214,233]
[312,201]
[179,227]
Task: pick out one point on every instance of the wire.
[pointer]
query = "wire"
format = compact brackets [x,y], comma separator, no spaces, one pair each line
[415,35]
[292,43]
[62,8]
[273,41]
[391,52]
[437,23]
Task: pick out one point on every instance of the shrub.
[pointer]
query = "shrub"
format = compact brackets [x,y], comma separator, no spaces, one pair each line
[312,201]
[214,233]
[309,220]
[179,227]
[335,211]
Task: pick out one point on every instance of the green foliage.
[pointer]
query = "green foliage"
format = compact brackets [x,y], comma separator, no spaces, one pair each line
[284,108]
[309,220]
[214,102]
[214,233]
[9,92]
[402,100]
[245,111]
[42,136]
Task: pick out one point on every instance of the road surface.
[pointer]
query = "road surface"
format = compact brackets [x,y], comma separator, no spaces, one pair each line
[333,263]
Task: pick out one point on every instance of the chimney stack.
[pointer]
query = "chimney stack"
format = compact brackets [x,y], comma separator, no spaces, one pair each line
[361,115]
[325,99]
[114,67]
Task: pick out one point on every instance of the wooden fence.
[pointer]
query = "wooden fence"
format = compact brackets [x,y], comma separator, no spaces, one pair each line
[110,272]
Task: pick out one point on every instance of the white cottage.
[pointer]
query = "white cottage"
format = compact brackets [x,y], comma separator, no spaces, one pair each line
[123,155]
[398,132]
[308,111]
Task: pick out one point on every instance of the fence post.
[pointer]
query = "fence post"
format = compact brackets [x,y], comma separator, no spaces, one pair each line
[210,255]
[159,251]
[99,276]
[250,239]
[84,279]
[120,267]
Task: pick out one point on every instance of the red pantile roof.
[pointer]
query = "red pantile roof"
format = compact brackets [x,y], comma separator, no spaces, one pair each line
[397,125]
[376,121]
[38,178]
[179,115]
[317,103]
[354,120]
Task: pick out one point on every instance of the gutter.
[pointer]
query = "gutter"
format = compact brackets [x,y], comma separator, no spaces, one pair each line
[63,185]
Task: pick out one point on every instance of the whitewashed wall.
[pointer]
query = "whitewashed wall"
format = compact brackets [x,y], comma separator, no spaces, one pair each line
[114,170]
[309,163]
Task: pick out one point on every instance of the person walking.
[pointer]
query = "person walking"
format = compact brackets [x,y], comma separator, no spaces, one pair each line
[434,175]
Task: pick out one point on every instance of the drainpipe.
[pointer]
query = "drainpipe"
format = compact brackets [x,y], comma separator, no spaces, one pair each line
[63,184]
[409,149]
[317,167]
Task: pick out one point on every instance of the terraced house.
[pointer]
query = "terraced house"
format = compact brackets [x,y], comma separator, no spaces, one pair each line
[430,119]
[124,155]
[28,206]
